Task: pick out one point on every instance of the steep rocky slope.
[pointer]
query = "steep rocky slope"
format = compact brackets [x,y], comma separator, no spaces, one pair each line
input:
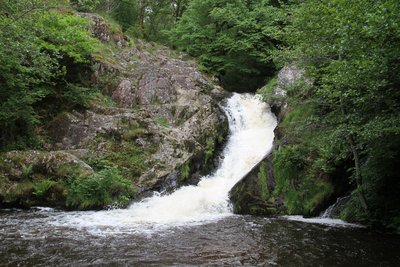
[158,121]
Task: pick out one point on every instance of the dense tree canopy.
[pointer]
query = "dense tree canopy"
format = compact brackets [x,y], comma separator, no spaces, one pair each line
[231,39]
[351,52]
[36,42]
[148,19]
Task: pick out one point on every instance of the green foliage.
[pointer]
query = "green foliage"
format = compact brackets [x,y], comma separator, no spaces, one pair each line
[267,91]
[210,149]
[162,121]
[381,186]
[185,171]
[42,187]
[77,96]
[26,171]
[104,188]
[300,179]
[353,211]
[148,19]
[232,39]
[66,35]
[124,154]
[85,5]
[31,190]
[350,51]
[127,15]
[37,52]
[12,192]
[263,181]
[103,100]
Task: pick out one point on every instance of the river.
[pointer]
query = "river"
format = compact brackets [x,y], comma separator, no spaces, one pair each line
[194,225]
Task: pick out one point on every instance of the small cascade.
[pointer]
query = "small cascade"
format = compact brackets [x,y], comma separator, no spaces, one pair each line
[326,216]
[327,213]
[333,208]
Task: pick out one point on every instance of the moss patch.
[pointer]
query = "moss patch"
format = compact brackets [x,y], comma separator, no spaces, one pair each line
[185,171]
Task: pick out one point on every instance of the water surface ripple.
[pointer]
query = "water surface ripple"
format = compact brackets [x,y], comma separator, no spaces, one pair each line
[27,240]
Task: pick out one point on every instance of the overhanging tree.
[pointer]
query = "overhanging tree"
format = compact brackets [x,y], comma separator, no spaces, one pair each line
[350,50]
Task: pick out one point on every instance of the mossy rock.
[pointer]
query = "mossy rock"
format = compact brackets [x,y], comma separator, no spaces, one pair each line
[253,193]
[20,165]
[32,177]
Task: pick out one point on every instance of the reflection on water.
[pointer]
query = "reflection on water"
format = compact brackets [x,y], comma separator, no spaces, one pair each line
[29,239]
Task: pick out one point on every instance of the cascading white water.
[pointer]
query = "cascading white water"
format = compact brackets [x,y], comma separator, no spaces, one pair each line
[251,137]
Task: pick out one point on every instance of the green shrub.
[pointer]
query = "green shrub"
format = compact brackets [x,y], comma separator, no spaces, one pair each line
[298,180]
[104,188]
[263,180]
[163,122]
[210,149]
[185,171]
[85,5]
[42,187]
[39,54]
[76,96]
[26,171]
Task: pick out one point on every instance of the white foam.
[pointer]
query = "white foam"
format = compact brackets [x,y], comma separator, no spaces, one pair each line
[251,137]
[323,220]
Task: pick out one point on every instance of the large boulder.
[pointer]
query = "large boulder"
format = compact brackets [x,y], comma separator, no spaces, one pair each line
[31,178]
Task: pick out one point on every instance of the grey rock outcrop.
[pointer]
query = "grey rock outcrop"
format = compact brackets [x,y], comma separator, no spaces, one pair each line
[176,106]
[104,31]
[155,121]
[288,77]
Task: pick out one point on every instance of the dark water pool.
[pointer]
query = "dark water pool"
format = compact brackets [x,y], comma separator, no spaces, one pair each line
[28,239]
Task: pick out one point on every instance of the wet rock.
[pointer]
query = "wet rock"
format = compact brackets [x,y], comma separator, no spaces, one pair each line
[253,193]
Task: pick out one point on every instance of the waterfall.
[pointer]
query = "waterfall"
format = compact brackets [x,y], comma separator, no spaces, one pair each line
[333,208]
[326,216]
[251,125]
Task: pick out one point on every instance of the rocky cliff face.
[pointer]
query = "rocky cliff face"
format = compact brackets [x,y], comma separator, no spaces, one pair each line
[160,129]
[253,194]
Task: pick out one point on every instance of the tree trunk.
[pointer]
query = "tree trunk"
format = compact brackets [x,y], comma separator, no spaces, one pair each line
[359,179]
[356,158]
[142,14]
